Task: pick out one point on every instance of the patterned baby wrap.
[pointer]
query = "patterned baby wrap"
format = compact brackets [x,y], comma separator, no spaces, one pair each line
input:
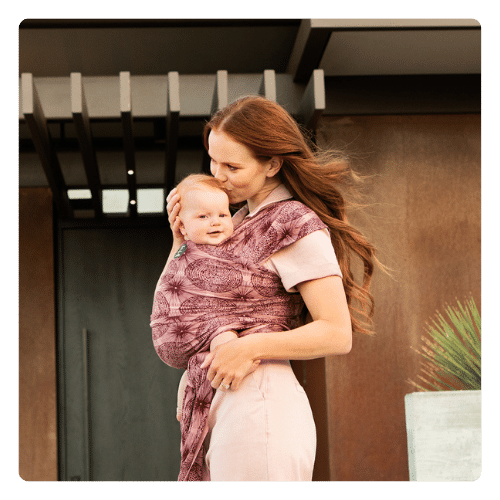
[209,289]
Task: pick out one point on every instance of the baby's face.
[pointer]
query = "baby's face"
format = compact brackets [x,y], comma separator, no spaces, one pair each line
[205,216]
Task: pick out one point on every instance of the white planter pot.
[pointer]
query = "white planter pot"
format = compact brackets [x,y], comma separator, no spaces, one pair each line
[444,435]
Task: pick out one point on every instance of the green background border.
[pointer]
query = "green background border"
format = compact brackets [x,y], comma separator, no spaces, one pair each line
[14,14]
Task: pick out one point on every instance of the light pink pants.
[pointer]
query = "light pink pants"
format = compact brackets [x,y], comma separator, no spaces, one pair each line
[263,431]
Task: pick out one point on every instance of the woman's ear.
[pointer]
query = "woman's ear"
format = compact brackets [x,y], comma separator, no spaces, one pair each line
[274,166]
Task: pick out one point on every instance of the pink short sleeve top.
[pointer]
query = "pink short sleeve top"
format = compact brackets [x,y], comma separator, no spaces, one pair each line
[311,257]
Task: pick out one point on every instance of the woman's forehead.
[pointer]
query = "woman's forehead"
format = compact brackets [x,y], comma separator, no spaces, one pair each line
[223,149]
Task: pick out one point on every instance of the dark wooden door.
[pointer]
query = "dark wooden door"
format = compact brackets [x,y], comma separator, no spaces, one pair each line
[117,399]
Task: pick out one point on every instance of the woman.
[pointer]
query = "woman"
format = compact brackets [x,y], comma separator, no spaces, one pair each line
[262,427]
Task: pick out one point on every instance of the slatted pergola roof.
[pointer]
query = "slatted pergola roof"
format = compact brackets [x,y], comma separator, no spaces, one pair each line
[131,134]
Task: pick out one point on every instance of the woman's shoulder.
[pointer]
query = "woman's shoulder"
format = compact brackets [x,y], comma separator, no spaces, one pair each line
[285,222]
[294,204]
[292,209]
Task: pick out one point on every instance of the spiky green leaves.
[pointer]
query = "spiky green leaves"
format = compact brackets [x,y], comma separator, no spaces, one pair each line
[452,350]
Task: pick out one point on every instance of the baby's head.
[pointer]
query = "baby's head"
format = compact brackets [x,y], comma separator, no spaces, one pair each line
[204,215]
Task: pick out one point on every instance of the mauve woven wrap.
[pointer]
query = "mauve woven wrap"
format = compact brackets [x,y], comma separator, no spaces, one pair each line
[208,290]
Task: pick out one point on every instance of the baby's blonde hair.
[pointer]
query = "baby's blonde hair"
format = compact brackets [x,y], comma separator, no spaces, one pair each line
[200,181]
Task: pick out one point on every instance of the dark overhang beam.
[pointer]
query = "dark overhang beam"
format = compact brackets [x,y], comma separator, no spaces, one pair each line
[84,135]
[128,139]
[37,124]
[152,23]
[308,50]
[172,130]
[313,37]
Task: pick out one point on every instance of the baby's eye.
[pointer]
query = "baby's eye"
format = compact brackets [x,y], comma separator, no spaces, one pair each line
[231,168]
[203,216]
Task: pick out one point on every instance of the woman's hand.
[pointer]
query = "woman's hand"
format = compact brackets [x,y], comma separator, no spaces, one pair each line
[230,363]
[173,209]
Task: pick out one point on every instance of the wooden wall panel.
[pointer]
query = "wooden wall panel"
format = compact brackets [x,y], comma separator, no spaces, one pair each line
[37,350]
[425,219]
[311,374]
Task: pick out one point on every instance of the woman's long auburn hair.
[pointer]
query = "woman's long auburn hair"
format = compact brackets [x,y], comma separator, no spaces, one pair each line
[269,131]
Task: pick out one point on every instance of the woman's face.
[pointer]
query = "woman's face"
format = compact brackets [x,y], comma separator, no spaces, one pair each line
[242,174]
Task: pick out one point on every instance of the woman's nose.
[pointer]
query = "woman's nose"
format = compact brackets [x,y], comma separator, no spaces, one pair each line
[217,172]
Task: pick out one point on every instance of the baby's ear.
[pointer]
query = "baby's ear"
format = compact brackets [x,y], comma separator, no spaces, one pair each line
[182,229]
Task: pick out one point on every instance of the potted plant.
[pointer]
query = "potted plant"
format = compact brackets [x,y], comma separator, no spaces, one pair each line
[443,418]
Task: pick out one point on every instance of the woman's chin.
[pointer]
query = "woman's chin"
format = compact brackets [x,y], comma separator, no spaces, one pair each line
[237,202]
[234,198]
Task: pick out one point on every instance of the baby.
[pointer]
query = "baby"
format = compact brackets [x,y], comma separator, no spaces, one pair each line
[204,216]
[205,219]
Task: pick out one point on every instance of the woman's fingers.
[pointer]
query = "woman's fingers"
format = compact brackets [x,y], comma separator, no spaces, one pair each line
[225,385]
[219,379]
[176,227]
[173,208]
[235,384]
[229,365]
[222,382]
[208,360]
[172,193]
[174,201]
[216,377]
[173,205]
